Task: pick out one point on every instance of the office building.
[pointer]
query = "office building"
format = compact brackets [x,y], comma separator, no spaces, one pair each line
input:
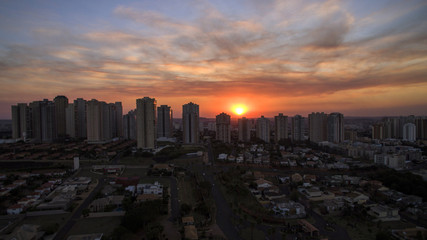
[146,123]
[190,122]
[223,128]
[164,122]
[281,127]
[263,129]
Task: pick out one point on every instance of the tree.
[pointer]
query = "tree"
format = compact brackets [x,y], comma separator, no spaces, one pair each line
[85,212]
[185,209]
[294,195]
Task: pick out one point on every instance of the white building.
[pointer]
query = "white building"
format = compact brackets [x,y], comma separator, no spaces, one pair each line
[409,132]
[148,188]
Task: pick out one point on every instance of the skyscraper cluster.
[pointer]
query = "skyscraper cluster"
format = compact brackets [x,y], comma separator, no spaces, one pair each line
[408,128]
[47,121]
[326,127]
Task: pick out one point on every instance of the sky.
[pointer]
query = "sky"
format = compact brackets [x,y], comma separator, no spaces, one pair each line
[360,58]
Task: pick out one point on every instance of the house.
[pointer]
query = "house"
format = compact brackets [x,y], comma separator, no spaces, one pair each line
[356,198]
[15,209]
[288,208]
[296,177]
[147,197]
[186,221]
[190,232]
[222,156]
[98,205]
[384,213]
[148,188]
[263,184]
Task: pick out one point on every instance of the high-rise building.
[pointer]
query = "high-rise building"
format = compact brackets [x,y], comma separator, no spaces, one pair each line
[129,125]
[421,125]
[281,127]
[80,118]
[317,126]
[61,103]
[43,121]
[223,128]
[263,129]
[409,132]
[118,112]
[70,121]
[146,122]
[335,128]
[190,121]
[20,121]
[378,131]
[164,122]
[297,130]
[244,129]
[94,121]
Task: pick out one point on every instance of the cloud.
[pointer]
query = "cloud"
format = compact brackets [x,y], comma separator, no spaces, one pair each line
[283,48]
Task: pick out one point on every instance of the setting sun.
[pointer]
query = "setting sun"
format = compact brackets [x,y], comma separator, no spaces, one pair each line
[239,109]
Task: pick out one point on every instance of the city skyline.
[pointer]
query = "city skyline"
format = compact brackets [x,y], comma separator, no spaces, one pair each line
[296,57]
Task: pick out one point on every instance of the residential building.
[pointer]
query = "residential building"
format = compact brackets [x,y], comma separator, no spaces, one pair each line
[409,132]
[244,129]
[317,127]
[61,103]
[70,121]
[223,128]
[164,122]
[129,125]
[146,122]
[297,131]
[80,118]
[263,129]
[190,121]
[281,127]
[335,128]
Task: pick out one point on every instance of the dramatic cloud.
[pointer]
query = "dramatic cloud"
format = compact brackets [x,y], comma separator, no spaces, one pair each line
[276,56]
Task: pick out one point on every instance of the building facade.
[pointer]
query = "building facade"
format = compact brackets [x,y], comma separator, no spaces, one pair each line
[281,127]
[190,122]
[244,129]
[164,122]
[146,123]
[263,129]
[223,128]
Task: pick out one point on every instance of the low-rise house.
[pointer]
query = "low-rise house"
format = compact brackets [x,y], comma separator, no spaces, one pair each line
[15,209]
[333,205]
[356,198]
[288,209]
[190,232]
[186,221]
[263,184]
[148,188]
[384,213]
[147,197]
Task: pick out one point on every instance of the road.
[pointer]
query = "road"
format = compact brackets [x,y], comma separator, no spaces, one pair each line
[62,233]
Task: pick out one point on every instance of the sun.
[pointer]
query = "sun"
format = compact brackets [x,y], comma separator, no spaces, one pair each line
[239,109]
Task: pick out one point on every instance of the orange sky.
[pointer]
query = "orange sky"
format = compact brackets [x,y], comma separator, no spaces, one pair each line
[291,57]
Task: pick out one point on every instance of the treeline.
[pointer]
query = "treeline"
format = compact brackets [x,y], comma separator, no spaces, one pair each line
[404,182]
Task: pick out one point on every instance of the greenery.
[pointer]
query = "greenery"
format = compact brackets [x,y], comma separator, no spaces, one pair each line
[404,182]
[145,215]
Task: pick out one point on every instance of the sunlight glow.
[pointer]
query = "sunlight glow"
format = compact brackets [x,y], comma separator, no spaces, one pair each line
[239,109]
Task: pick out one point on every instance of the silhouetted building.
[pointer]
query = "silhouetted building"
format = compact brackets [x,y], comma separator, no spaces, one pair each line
[281,127]
[80,118]
[244,129]
[223,128]
[164,121]
[21,124]
[263,129]
[129,125]
[146,123]
[297,130]
[190,123]
[409,132]
[61,103]
[335,127]
[317,126]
